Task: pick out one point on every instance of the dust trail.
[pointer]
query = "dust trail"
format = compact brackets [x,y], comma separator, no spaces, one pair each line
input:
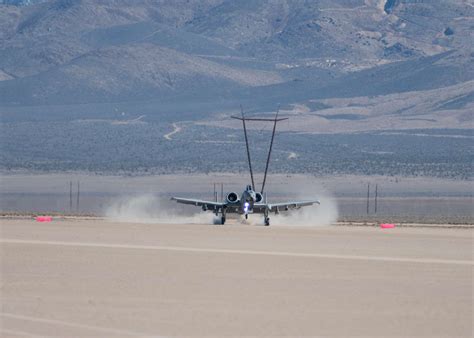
[151,209]
[317,215]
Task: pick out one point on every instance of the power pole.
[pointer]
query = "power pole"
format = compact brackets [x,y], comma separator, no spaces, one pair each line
[376,196]
[247,145]
[70,196]
[77,199]
[270,150]
[244,119]
[368,196]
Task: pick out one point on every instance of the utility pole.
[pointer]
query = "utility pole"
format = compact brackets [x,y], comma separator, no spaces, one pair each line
[222,192]
[70,196]
[215,193]
[77,199]
[244,119]
[270,150]
[368,196]
[376,196]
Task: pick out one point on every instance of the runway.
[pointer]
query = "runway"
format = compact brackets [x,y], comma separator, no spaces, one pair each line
[96,278]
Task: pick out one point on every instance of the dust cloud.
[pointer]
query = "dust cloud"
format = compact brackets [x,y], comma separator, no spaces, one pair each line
[316,215]
[152,209]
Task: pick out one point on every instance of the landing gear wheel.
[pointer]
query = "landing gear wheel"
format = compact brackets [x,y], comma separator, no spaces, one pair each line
[223,220]
[267,221]
[246,216]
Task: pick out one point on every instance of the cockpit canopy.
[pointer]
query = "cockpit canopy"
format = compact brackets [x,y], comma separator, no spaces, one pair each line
[249,188]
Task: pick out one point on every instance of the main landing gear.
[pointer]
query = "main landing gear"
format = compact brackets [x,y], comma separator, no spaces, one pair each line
[222,219]
[266,219]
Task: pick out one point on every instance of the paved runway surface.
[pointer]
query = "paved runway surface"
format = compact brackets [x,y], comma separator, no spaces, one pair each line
[92,278]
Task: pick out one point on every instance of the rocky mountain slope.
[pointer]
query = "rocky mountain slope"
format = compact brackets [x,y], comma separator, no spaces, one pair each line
[334,66]
[77,51]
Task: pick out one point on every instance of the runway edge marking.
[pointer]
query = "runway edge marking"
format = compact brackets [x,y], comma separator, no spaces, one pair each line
[241,252]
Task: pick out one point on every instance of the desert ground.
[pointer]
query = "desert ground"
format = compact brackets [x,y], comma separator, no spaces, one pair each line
[400,199]
[94,277]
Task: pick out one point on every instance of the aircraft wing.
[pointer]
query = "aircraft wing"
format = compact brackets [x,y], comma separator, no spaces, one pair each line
[284,206]
[210,205]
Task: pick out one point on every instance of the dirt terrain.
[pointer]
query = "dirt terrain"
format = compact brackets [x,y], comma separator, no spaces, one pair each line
[95,278]
[400,199]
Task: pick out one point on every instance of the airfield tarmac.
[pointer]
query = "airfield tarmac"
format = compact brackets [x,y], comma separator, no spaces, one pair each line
[98,278]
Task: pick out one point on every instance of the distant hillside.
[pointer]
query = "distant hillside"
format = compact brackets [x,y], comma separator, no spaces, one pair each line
[333,66]
[20,2]
[78,51]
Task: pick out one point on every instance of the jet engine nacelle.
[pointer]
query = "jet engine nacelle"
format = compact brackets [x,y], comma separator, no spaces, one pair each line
[232,197]
[259,197]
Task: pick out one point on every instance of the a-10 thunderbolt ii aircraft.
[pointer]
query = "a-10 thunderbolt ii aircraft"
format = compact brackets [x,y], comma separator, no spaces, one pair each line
[250,201]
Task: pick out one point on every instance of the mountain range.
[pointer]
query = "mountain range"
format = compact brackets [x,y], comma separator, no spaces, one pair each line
[333,66]
[71,51]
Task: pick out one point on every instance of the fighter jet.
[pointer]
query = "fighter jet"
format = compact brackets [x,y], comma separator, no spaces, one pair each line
[250,201]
